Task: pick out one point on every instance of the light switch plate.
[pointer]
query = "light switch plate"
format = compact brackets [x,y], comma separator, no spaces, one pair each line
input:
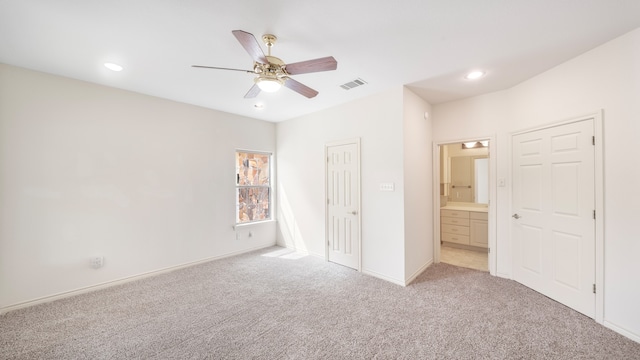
[387,187]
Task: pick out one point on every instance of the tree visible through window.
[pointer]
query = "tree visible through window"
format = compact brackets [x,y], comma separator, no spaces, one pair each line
[253,188]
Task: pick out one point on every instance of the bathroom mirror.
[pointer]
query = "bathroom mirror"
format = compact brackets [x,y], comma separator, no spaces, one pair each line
[464,172]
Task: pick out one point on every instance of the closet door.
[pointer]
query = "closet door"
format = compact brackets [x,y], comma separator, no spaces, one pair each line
[553,227]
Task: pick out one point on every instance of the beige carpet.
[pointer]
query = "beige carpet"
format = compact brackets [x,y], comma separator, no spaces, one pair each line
[270,305]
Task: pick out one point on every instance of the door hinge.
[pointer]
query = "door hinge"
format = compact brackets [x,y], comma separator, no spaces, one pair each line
[594,288]
[593,140]
[327,201]
[594,214]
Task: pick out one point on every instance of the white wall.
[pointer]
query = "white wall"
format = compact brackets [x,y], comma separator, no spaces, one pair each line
[418,185]
[397,241]
[607,78]
[377,121]
[89,170]
[476,118]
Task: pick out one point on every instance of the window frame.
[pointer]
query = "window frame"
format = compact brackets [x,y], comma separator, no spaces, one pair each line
[238,187]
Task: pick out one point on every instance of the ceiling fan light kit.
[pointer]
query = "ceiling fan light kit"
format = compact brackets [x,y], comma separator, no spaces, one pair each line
[272,73]
[268,83]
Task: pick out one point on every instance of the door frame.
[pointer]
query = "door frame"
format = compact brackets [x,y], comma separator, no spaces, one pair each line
[492,258]
[355,141]
[598,127]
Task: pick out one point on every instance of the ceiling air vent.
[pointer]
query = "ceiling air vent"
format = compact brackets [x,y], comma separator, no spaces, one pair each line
[352,84]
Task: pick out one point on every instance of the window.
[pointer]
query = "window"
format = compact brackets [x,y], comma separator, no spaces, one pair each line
[253,186]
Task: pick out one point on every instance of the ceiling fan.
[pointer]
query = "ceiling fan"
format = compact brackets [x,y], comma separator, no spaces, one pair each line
[271,72]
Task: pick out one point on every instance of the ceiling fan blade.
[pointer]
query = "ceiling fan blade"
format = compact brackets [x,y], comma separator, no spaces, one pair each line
[251,45]
[309,66]
[253,92]
[301,89]
[221,68]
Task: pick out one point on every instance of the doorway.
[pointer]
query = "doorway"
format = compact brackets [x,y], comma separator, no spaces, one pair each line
[342,189]
[464,220]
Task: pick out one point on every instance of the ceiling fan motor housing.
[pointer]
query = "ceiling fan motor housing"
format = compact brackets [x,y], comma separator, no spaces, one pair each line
[274,69]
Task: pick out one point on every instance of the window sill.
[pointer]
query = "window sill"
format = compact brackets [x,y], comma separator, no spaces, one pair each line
[237,226]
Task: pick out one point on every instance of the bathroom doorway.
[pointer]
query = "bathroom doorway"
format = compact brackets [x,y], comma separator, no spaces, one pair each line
[463,213]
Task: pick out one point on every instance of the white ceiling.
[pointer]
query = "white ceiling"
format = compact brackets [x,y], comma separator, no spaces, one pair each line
[426,44]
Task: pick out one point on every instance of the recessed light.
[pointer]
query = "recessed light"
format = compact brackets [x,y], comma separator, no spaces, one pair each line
[477,74]
[113,66]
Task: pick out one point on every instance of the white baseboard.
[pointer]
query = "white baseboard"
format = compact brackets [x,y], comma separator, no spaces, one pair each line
[107,284]
[383,277]
[622,331]
[417,273]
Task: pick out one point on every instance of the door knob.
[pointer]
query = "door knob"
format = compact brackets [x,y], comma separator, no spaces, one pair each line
[516,216]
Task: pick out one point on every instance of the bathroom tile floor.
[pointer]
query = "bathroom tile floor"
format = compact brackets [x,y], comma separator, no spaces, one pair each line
[464,258]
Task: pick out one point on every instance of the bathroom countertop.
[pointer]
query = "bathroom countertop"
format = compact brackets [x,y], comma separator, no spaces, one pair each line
[465,207]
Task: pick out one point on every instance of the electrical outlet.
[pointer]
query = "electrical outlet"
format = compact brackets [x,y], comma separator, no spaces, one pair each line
[96,262]
[240,235]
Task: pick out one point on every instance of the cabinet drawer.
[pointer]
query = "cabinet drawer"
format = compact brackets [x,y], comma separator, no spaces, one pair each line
[454,213]
[458,239]
[454,221]
[455,229]
[479,215]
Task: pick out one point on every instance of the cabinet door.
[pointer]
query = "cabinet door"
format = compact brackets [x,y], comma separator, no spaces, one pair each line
[478,233]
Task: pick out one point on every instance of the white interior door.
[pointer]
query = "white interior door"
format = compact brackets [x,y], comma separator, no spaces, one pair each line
[343,204]
[553,228]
